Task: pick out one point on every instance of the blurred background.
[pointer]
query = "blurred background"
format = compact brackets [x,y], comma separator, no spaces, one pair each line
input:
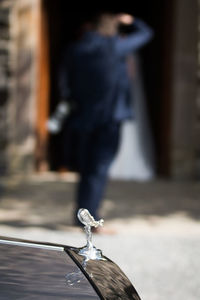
[153,198]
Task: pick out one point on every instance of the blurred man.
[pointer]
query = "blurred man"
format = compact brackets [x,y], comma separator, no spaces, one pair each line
[93,78]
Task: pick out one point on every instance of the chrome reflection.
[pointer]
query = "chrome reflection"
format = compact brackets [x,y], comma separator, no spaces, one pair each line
[89,251]
[74,278]
[31,245]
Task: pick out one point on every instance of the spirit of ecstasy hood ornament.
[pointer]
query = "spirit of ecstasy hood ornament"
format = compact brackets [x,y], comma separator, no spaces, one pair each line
[89,251]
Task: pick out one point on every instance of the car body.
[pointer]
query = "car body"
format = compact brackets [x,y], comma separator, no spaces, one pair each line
[32,270]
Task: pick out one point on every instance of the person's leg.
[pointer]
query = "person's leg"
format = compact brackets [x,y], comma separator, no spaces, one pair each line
[101,149]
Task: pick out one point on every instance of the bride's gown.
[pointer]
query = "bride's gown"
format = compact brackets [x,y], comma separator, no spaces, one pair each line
[135,159]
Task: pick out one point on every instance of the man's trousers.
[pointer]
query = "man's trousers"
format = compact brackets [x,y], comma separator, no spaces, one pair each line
[97,149]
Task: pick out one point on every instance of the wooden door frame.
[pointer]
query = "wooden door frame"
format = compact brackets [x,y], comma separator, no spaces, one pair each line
[42,105]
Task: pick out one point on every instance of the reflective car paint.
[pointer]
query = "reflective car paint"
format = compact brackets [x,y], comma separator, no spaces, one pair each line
[30,270]
[107,277]
[33,272]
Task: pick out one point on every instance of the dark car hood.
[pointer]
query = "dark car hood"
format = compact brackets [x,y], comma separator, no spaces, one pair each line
[30,270]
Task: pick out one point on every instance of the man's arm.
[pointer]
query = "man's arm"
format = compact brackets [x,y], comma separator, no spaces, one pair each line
[54,123]
[133,41]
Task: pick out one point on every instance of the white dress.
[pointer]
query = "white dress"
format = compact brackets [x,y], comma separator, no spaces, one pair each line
[135,159]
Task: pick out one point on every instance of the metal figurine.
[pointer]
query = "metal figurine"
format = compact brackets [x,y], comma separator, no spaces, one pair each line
[89,251]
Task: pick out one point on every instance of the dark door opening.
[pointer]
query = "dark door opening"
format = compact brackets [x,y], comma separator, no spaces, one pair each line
[62,22]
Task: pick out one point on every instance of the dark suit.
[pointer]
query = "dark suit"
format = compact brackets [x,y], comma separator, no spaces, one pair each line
[93,74]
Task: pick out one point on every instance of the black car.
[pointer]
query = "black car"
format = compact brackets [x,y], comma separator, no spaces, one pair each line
[30,270]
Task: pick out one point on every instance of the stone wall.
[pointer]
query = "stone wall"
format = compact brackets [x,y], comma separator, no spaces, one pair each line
[5,7]
[184,90]
[197,137]
[19,21]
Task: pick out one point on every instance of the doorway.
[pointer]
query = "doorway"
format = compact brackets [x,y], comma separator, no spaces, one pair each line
[62,23]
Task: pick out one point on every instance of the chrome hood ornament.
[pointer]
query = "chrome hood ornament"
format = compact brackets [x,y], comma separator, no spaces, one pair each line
[86,219]
[89,251]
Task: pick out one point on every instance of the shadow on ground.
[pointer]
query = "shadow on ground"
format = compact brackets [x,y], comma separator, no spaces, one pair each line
[49,204]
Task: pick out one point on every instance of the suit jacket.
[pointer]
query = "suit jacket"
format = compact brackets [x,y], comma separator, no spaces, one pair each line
[93,74]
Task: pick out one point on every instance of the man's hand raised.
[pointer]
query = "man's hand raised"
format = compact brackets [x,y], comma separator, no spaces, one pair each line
[125,19]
